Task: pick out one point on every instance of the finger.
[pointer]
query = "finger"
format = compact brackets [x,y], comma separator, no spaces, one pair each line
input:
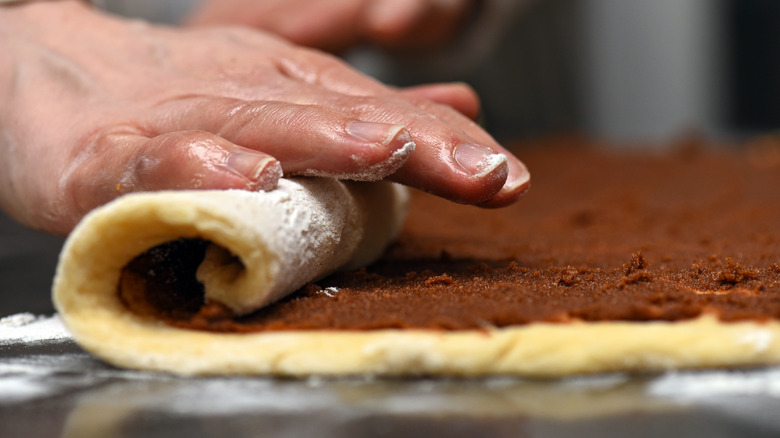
[466,173]
[306,139]
[127,162]
[517,184]
[388,22]
[454,157]
[459,96]
[324,80]
[414,24]
[463,99]
[324,25]
[446,131]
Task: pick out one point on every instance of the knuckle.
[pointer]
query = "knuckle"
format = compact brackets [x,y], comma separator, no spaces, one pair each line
[241,115]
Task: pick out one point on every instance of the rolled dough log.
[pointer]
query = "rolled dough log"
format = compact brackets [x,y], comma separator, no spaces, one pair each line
[265,245]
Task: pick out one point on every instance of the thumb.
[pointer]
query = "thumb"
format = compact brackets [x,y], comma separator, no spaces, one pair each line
[182,160]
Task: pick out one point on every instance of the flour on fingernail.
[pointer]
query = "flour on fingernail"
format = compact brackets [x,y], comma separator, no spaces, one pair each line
[489,164]
[375,172]
[268,178]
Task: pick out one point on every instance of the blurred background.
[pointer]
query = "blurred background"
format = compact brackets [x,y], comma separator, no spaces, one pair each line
[629,72]
[615,69]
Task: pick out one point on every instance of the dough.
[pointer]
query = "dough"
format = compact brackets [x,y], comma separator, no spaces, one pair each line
[263,245]
[267,231]
[571,226]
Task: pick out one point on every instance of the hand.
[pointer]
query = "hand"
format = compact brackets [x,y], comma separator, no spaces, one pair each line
[336,25]
[92,107]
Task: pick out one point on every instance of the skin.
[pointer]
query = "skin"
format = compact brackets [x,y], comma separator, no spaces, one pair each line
[93,106]
[335,25]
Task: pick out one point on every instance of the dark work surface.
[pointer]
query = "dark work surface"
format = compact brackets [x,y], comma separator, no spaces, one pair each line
[53,389]
[27,263]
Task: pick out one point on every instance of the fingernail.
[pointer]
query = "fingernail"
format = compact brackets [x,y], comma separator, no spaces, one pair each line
[519,177]
[382,133]
[263,171]
[476,160]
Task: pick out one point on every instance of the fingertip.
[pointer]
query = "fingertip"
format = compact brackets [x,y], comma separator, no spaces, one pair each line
[471,176]
[479,162]
[517,184]
[198,160]
[382,134]
[388,21]
[382,149]
[261,171]
[269,179]
[486,171]
[388,156]
[458,95]
[483,186]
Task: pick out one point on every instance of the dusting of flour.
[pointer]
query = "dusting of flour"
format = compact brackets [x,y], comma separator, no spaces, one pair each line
[28,328]
[706,385]
[376,172]
[489,164]
[21,378]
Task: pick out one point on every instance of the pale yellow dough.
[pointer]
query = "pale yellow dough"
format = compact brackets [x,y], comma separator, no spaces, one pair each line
[342,226]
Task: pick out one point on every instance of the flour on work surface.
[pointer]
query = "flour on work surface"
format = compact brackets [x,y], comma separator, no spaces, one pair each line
[713,384]
[26,328]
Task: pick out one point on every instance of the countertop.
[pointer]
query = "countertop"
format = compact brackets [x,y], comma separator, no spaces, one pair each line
[49,387]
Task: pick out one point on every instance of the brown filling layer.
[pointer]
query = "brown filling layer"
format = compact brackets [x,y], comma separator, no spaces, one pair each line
[602,236]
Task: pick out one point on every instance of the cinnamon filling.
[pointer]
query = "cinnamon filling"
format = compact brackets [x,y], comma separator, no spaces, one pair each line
[602,236]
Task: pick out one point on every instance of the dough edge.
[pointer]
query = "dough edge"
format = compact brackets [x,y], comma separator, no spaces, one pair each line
[537,350]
